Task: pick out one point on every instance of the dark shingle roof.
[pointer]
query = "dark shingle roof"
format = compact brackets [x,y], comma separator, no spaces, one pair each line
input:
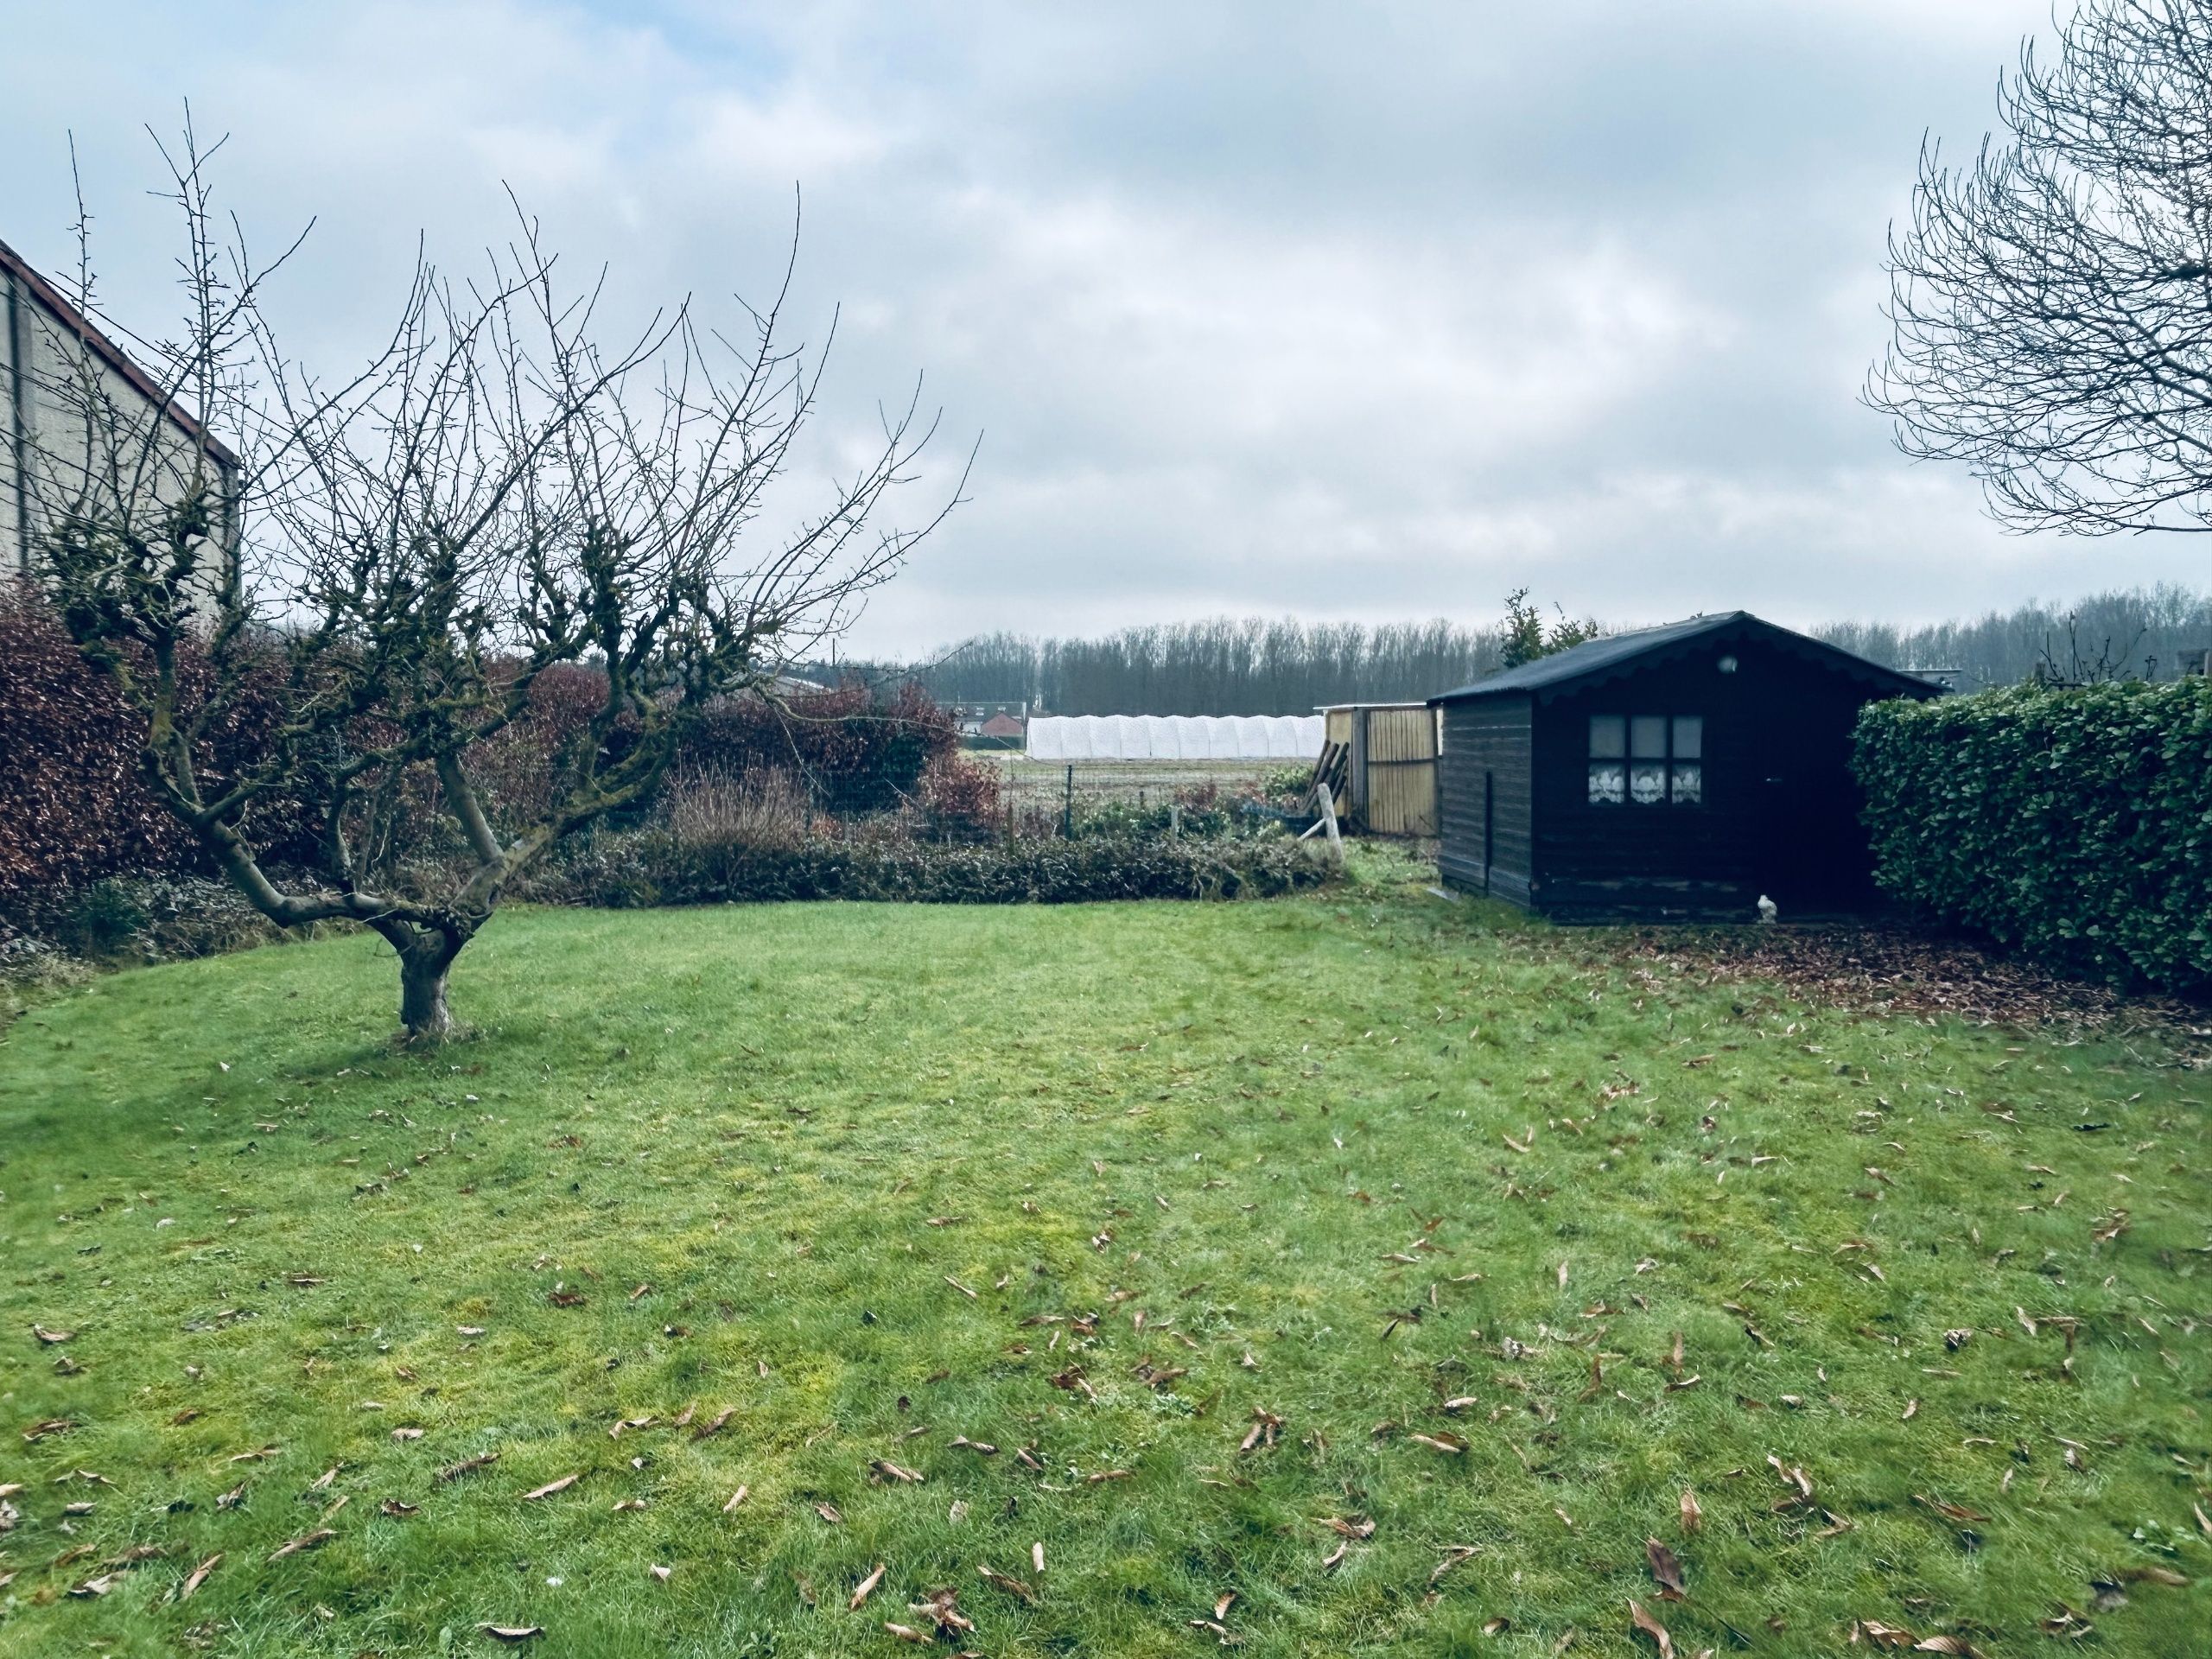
[1595,657]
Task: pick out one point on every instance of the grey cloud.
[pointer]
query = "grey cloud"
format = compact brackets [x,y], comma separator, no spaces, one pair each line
[1359,312]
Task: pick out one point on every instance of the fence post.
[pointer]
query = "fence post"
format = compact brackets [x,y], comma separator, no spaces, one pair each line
[1067,813]
[1329,817]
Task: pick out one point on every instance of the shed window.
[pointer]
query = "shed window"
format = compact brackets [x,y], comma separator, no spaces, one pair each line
[1646,759]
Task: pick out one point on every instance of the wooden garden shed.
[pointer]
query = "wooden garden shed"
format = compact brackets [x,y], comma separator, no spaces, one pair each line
[1676,771]
[1384,756]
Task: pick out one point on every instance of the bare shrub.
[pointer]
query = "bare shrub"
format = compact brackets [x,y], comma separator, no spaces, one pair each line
[758,807]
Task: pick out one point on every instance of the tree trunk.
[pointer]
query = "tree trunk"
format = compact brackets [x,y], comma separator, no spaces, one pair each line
[423,1017]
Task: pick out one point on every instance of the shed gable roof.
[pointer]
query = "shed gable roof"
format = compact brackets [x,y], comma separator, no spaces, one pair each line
[1620,653]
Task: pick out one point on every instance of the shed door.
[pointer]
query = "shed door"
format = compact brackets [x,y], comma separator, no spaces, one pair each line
[1398,776]
[1811,849]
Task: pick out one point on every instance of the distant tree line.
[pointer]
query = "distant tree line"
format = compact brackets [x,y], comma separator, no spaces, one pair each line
[2130,634]
[1223,666]
[1253,667]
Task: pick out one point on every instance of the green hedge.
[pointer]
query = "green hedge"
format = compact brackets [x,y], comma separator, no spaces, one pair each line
[647,869]
[2074,823]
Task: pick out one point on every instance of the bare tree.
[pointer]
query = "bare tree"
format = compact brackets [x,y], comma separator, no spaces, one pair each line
[2052,304]
[411,550]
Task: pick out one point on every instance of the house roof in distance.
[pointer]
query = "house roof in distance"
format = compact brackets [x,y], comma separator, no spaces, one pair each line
[1617,654]
[76,322]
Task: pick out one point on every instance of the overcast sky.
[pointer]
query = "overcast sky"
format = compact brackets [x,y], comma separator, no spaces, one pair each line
[1366,312]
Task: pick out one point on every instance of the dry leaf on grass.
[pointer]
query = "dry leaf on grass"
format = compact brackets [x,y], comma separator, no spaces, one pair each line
[865,1589]
[550,1487]
[1652,1627]
[49,1338]
[735,1498]
[1000,1581]
[1693,1516]
[315,1540]
[1666,1569]
[467,1465]
[197,1576]
[1454,1555]
[1880,1635]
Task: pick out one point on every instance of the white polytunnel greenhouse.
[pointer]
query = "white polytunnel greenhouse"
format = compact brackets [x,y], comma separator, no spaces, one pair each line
[1175,737]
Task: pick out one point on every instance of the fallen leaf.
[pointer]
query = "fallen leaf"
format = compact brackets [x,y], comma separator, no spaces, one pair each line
[1652,1627]
[551,1487]
[1454,1555]
[315,1540]
[51,1337]
[1692,1514]
[865,1589]
[1880,1635]
[1667,1568]
[2165,1575]
[197,1576]
[658,1572]
[735,1498]
[468,1465]
[1012,1587]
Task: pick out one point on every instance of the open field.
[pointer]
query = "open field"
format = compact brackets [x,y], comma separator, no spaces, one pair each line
[1180,1244]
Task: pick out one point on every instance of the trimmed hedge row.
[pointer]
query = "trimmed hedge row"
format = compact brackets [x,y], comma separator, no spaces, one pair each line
[2074,823]
[644,869]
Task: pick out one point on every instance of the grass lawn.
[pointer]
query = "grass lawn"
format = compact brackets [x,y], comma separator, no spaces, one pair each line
[1392,1269]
